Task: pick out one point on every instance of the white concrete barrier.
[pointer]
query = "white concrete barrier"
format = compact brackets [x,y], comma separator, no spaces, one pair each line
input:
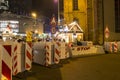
[87,50]
[28,56]
[6,60]
[39,53]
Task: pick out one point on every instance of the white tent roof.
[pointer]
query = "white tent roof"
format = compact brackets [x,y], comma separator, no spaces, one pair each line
[75,25]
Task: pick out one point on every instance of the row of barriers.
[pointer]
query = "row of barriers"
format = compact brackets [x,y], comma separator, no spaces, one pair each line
[48,53]
[14,58]
[17,57]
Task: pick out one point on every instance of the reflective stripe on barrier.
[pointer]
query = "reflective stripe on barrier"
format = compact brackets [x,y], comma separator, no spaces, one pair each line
[111,46]
[6,51]
[28,56]
[48,53]
[57,53]
[15,59]
[115,47]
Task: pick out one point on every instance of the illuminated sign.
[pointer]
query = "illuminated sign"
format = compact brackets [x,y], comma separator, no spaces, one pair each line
[13,25]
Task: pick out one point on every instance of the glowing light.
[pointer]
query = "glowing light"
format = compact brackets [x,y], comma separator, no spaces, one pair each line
[34,14]
[55,1]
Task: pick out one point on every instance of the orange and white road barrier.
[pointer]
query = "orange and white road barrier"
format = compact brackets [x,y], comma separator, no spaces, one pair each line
[115,47]
[63,50]
[28,56]
[57,53]
[6,51]
[15,60]
[48,53]
[111,47]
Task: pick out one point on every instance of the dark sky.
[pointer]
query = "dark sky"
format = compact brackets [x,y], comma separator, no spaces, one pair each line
[45,7]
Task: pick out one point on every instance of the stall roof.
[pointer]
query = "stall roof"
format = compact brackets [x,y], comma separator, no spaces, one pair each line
[74,26]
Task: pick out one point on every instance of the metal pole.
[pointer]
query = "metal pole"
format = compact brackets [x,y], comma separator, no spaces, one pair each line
[58,13]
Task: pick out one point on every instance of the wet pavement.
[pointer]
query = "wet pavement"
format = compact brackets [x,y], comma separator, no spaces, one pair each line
[95,67]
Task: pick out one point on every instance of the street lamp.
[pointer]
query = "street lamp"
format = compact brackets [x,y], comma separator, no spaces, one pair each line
[34,15]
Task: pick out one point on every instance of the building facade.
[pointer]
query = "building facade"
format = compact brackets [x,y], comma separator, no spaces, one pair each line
[93,16]
[19,24]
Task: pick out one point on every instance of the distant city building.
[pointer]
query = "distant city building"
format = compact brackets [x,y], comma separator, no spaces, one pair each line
[19,24]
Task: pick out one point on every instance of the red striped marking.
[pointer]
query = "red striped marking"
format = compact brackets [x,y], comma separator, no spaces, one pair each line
[27,65]
[47,47]
[47,59]
[47,53]
[30,44]
[58,44]
[29,55]
[56,59]
[15,48]
[15,57]
[15,64]
[6,71]
[8,49]
[58,53]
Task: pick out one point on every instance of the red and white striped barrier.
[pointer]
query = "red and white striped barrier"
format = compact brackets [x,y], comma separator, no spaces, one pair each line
[111,46]
[15,59]
[57,53]
[115,47]
[28,56]
[64,50]
[49,53]
[6,51]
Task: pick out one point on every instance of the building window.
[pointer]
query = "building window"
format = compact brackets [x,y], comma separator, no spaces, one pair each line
[12,25]
[117,16]
[75,4]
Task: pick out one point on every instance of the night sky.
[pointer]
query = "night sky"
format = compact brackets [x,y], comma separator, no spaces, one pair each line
[45,7]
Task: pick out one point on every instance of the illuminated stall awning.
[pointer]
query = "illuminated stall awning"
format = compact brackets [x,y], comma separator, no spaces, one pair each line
[75,27]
